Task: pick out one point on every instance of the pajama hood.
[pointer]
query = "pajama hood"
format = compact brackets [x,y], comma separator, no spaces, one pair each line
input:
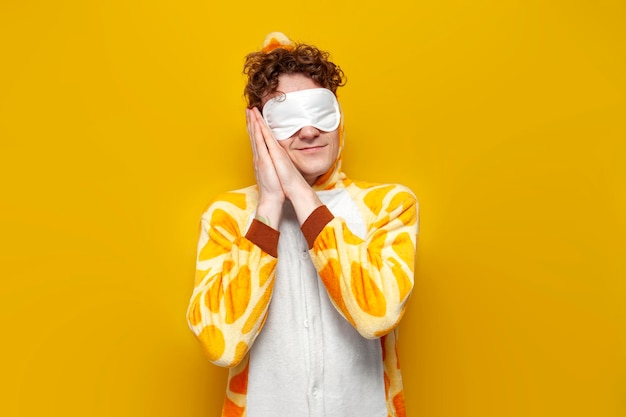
[334,175]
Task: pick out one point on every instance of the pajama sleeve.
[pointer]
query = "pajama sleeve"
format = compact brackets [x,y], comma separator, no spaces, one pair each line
[234,280]
[368,279]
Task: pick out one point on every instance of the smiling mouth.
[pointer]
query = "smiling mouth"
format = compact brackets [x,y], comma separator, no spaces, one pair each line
[312,148]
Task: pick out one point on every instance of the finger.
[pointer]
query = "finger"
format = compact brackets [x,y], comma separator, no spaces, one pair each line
[275,151]
[264,164]
[257,135]
[268,136]
[249,125]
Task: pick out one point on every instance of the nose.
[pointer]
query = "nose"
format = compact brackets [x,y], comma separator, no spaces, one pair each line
[308,132]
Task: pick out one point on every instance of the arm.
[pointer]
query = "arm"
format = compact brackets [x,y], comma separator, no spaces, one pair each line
[234,281]
[368,280]
[235,273]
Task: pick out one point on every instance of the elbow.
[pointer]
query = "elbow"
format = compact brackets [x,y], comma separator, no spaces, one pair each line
[219,357]
[372,327]
[226,362]
[369,331]
[220,353]
[214,345]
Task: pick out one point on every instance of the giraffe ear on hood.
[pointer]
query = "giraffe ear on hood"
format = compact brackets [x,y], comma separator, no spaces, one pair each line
[276,40]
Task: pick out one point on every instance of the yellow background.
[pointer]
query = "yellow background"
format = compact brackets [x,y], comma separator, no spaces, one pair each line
[120,120]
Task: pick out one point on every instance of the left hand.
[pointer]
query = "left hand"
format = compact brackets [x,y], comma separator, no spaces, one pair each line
[290,178]
[294,186]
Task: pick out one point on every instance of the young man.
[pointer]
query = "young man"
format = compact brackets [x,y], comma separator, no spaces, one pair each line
[302,279]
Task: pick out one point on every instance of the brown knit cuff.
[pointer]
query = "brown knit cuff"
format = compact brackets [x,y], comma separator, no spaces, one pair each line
[314,224]
[264,237]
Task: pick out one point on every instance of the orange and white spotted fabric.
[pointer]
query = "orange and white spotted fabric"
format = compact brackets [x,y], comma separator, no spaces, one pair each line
[306,317]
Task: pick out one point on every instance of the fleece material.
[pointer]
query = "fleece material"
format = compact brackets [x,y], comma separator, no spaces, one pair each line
[330,299]
[306,317]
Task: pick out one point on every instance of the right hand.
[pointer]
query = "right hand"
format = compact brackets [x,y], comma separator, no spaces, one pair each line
[271,194]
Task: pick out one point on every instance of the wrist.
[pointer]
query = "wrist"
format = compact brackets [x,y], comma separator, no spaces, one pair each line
[269,213]
[305,203]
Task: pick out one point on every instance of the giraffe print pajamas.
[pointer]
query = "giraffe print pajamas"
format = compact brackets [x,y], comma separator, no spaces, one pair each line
[306,317]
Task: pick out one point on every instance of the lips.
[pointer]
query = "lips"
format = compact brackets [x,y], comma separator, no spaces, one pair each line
[311,148]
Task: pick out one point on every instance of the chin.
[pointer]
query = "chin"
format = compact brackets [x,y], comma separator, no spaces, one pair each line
[313,173]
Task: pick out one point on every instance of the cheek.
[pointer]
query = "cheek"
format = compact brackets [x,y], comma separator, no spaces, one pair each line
[285,144]
[336,146]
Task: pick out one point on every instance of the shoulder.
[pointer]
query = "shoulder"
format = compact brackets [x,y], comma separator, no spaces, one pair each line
[237,202]
[384,205]
[378,195]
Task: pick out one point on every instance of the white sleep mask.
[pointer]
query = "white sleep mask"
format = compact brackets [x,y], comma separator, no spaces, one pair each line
[290,112]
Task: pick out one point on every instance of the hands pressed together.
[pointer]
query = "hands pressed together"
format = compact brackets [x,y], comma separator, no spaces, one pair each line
[276,175]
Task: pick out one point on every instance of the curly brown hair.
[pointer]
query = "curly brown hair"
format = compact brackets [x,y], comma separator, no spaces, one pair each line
[264,68]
